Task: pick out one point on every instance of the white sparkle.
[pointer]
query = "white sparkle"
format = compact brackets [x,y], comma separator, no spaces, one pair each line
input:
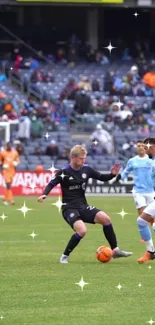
[62,175]
[33,186]
[95,142]
[133,191]
[110,47]
[119,287]
[122,213]
[139,285]
[33,235]
[149,267]
[119,104]
[2,317]
[58,204]
[148,145]
[82,283]
[52,169]
[3,217]
[47,135]
[136,14]
[24,209]
[151,321]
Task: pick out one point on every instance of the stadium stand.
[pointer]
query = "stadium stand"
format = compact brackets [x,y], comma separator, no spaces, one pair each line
[67,102]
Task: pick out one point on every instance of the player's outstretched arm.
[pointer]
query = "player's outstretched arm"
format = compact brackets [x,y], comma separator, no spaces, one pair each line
[126,171]
[54,181]
[105,177]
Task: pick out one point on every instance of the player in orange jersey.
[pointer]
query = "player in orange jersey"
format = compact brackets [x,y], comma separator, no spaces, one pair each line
[9,159]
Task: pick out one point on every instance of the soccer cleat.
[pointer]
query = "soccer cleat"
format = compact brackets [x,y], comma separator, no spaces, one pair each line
[117,253]
[147,257]
[64,259]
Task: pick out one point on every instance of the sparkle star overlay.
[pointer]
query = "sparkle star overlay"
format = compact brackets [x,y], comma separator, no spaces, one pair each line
[3,217]
[119,104]
[110,47]
[33,186]
[122,213]
[139,285]
[149,267]
[133,191]
[52,169]
[151,321]
[47,135]
[82,283]
[2,317]
[33,235]
[119,287]
[62,175]
[148,145]
[24,209]
[95,142]
[58,204]
[136,14]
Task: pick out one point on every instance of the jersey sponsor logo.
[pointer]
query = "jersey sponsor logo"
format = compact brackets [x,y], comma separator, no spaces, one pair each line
[72,215]
[70,178]
[74,187]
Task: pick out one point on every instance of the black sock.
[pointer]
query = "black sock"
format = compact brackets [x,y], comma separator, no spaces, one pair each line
[110,235]
[74,241]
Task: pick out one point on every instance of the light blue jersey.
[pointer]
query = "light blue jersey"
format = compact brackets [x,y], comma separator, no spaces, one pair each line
[153,171]
[142,170]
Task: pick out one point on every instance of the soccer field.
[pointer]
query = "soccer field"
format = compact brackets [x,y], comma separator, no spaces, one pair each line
[36,290]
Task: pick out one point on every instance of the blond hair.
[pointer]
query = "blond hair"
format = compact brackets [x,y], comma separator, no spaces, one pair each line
[77,150]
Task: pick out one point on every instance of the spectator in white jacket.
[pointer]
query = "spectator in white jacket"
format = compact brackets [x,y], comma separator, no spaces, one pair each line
[24,128]
[104,138]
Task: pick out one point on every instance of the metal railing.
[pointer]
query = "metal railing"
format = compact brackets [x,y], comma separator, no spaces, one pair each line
[20,41]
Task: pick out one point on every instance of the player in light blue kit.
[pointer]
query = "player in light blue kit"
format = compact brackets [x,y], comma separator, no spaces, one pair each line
[141,168]
[148,215]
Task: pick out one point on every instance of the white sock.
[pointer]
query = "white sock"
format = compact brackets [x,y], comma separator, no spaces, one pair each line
[116,249]
[149,245]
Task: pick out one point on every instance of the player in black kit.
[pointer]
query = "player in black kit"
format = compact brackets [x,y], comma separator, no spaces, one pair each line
[75,209]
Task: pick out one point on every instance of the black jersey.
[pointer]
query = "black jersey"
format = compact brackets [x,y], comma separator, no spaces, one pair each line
[73,184]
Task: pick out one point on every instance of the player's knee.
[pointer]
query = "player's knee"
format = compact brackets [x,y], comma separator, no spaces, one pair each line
[80,228]
[102,218]
[82,232]
[8,186]
[142,222]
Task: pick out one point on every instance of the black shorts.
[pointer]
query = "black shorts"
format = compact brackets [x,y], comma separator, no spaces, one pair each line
[87,215]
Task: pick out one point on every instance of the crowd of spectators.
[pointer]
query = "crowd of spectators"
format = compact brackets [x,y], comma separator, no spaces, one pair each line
[115,98]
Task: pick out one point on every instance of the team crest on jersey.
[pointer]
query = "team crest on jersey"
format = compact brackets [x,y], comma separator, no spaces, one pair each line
[71,215]
[84,175]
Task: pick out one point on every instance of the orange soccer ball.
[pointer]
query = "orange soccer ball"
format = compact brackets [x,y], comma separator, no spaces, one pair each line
[104,254]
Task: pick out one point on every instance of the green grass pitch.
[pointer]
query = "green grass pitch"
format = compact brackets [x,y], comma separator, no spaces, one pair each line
[36,290]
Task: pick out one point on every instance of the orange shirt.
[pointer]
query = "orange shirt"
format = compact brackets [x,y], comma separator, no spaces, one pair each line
[9,160]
